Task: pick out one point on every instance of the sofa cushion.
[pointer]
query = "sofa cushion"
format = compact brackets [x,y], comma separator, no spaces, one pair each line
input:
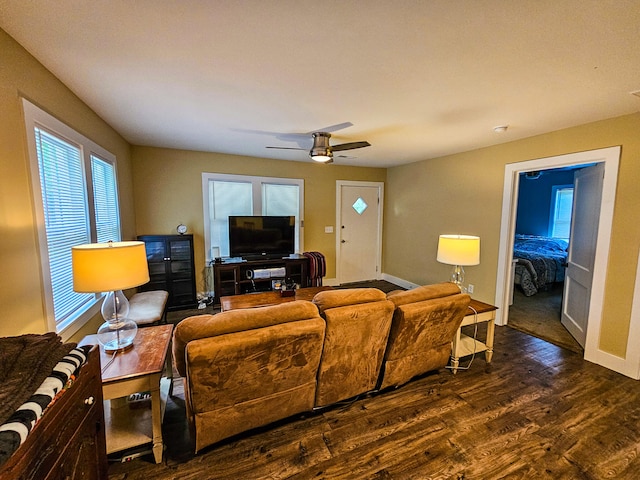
[204,326]
[148,307]
[425,292]
[347,296]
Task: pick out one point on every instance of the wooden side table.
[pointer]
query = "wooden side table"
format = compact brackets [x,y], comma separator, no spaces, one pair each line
[138,369]
[464,345]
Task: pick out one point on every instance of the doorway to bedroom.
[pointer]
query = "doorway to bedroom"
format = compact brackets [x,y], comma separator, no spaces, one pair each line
[542,233]
[586,305]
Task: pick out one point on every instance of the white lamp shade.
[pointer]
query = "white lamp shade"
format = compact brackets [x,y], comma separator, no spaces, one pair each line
[104,267]
[459,250]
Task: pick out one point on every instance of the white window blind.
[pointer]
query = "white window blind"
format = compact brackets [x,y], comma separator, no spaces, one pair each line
[562,206]
[226,195]
[76,202]
[65,213]
[105,200]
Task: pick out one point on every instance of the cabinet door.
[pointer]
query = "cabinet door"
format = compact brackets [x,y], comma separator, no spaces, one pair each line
[226,281]
[156,258]
[81,458]
[297,271]
[181,271]
[171,268]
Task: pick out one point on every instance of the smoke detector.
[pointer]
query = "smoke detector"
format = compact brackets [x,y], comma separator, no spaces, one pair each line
[500,128]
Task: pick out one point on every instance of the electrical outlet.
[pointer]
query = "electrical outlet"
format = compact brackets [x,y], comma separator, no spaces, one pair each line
[470,288]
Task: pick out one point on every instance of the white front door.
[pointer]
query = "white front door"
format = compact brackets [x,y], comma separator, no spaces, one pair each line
[587,193]
[359,234]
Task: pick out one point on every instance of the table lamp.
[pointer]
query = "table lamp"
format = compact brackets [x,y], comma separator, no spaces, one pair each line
[459,251]
[111,267]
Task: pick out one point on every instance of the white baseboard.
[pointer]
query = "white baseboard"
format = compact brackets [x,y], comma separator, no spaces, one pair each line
[399,281]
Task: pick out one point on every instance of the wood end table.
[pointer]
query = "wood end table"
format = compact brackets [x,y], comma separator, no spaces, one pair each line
[464,345]
[135,370]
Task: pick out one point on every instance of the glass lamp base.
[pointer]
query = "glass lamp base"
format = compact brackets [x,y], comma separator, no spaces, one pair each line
[457,277]
[117,336]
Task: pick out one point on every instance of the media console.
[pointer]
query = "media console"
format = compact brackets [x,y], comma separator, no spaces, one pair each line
[234,277]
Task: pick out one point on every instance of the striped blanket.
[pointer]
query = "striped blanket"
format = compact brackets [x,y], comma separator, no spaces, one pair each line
[34,369]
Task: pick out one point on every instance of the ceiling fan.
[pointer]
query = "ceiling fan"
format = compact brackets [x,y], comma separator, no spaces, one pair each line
[322,150]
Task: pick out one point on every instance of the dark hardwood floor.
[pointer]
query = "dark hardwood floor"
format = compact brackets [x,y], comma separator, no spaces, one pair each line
[538,411]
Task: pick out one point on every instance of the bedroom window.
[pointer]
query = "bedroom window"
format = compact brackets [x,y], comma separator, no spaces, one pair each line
[226,195]
[76,201]
[561,208]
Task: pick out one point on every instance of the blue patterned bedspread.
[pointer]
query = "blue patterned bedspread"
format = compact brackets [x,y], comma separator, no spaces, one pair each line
[541,262]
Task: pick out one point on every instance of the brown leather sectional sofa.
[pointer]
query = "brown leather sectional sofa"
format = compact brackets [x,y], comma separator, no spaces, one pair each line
[247,368]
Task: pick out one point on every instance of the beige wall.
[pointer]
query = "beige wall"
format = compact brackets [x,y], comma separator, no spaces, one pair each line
[168,191]
[463,194]
[160,188]
[21,294]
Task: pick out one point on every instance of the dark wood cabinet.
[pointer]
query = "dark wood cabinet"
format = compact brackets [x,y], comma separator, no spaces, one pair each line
[236,278]
[171,268]
[69,441]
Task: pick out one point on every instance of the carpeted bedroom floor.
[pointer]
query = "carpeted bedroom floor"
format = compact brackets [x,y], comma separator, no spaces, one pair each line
[539,315]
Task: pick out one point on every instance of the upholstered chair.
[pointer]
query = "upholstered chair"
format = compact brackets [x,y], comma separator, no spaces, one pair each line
[425,321]
[358,322]
[249,367]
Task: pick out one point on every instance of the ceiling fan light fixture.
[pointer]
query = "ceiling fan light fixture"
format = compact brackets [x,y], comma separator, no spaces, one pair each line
[321,151]
[321,155]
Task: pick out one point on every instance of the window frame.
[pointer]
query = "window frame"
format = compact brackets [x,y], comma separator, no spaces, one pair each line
[257,198]
[555,189]
[35,117]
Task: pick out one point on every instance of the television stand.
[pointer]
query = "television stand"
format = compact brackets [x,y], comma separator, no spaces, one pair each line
[234,277]
[256,258]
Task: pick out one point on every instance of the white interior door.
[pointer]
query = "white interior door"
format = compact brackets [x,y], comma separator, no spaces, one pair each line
[587,193]
[359,231]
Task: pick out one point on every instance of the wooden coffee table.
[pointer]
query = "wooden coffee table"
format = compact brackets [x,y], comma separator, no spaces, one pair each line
[263,299]
[138,369]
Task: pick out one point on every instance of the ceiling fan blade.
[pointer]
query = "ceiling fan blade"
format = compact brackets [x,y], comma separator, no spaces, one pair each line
[287,148]
[349,146]
[333,128]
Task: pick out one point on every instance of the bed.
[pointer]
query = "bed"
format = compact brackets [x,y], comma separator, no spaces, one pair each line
[540,262]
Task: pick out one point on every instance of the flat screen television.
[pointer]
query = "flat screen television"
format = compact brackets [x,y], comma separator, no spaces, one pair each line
[254,237]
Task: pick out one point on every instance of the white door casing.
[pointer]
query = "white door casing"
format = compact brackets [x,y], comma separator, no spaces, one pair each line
[587,192]
[610,157]
[358,230]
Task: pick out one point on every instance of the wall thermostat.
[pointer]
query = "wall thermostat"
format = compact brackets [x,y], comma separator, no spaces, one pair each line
[182,229]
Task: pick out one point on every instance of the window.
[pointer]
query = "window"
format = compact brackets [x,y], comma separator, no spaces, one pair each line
[226,195]
[561,208]
[76,201]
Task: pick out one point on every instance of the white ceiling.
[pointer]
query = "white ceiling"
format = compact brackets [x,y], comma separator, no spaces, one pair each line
[418,79]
